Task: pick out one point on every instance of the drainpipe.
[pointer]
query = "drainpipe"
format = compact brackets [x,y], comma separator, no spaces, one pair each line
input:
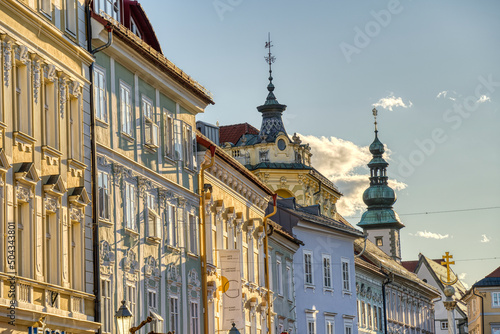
[93,158]
[364,248]
[386,281]
[266,263]
[482,308]
[203,239]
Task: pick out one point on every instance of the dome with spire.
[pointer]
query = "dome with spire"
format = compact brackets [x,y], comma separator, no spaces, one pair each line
[379,197]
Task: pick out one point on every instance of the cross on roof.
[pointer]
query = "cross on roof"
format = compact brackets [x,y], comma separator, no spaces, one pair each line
[447,263]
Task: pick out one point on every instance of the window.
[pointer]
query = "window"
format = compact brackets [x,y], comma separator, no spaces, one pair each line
[71,16]
[75,122]
[22,101]
[279,276]
[126,109]
[51,114]
[289,282]
[77,258]
[168,132]
[193,234]
[172,226]
[189,147]
[51,243]
[311,326]
[363,314]
[444,324]
[308,273]
[369,323]
[108,7]
[107,313]
[100,95]
[379,241]
[152,299]
[195,319]
[131,299]
[375,318]
[153,219]
[245,263]
[150,127]
[129,206]
[346,283]
[157,322]
[380,321]
[46,7]
[347,326]
[327,271]
[329,325]
[174,314]
[23,240]
[495,299]
[264,156]
[104,200]
[134,28]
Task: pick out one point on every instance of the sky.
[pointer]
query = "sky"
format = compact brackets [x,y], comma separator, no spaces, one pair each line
[430,68]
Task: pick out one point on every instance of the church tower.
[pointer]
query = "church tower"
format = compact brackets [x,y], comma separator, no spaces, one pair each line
[380,221]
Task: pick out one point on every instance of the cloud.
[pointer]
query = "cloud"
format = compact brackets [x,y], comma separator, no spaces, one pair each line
[485,238]
[430,235]
[391,101]
[461,277]
[443,94]
[483,98]
[344,163]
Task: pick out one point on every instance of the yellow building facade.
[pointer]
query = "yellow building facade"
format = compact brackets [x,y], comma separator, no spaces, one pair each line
[45,220]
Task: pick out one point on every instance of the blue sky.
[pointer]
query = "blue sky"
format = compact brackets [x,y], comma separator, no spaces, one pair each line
[434,63]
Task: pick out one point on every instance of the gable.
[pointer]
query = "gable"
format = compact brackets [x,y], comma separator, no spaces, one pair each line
[53,185]
[26,173]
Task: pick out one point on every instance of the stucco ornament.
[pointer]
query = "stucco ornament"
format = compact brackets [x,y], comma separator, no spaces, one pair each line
[151,267]
[36,78]
[106,258]
[7,61]
[62,95]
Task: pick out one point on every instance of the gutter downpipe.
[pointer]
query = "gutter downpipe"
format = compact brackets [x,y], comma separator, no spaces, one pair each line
[93,159]
[203,240]
[266,263]
[386,281]
[364,248]
[482,308]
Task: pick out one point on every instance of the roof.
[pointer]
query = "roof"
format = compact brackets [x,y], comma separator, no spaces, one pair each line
[290,206]
[144,25]
[204,141]
[410,265]
[278,165]
[493,279]
[278,229]
[232,133]
[379,258]
[156,58]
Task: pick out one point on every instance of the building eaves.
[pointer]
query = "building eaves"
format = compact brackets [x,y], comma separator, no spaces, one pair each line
[279,230]
[204,141]
[156,58]
[278,165]
[321,220]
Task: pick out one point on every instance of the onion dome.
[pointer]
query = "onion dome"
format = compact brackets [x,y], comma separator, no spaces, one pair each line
[379,197]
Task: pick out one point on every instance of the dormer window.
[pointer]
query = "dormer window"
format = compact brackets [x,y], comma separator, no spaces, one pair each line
[264,156]
[134,28]
[107,7]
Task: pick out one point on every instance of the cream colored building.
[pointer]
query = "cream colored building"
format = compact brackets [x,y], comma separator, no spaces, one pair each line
[46,247]
[234,213]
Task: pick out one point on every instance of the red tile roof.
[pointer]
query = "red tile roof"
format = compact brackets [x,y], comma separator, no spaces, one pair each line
[410,265]
[232,133]
[495,273]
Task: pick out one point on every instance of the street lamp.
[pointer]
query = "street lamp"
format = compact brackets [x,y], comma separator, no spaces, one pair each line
[124,320]
[234,330]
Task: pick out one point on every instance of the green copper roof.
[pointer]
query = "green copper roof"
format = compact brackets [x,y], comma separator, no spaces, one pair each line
[380,218]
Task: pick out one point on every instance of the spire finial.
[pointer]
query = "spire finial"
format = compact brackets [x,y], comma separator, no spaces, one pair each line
[270,59]
[375,113]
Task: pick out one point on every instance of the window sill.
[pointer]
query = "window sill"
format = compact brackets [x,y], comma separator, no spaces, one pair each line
[174,248]
[326,290]
[105,221]
[189,170]
[131,232]
[345,292]
[168,159]
[153,240]
[150,148]
[309,286]
[101,123]
[127,137]
[192,255]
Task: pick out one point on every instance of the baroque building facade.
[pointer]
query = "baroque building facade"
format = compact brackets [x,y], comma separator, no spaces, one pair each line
[46,264]
[234,208]
[148,206]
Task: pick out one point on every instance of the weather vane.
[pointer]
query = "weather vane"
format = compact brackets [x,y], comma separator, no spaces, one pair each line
[269,58]
[447,263]
[375,113]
